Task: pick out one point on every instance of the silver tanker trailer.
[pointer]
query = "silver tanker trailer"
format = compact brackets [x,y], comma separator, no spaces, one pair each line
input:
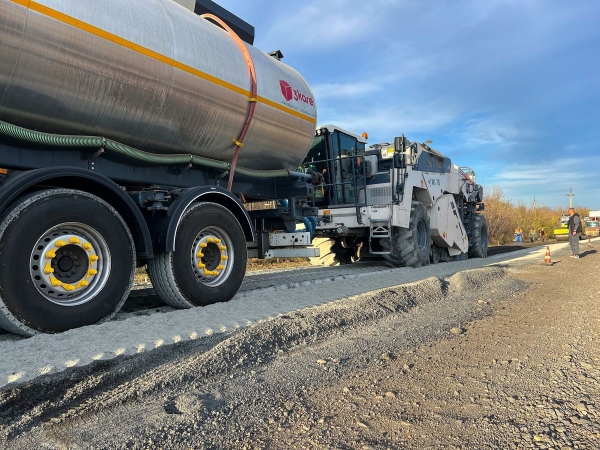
[131,133]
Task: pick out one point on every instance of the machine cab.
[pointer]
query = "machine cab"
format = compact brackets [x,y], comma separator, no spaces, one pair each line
[339,156]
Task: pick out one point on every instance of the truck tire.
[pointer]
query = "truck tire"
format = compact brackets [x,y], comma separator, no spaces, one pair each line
[67,260]
[479,247]
[411,247]
[209,261]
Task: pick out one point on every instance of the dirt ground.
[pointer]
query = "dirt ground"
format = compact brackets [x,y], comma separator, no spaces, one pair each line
[526,377]
[488,358]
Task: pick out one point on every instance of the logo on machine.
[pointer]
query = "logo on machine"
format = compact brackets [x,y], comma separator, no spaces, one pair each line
[290,93]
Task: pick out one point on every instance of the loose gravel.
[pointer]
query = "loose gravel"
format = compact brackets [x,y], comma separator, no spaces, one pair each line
[496,357]
[263,297]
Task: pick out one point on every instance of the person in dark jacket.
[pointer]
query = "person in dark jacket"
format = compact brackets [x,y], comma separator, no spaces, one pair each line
[574,232]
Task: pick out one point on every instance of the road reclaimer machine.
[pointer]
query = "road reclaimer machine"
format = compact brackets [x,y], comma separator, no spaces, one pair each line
[404,202]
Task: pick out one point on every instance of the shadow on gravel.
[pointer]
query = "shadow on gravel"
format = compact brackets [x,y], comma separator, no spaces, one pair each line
[587,253]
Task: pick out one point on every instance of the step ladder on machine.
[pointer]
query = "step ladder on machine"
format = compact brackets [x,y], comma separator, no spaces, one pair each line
[380,229]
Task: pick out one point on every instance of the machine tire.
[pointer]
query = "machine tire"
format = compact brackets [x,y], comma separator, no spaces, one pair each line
[333,253]
[32,228]
[346,254]
[479,248]
[436,254]
[411,247]
[327,258]
[175,275]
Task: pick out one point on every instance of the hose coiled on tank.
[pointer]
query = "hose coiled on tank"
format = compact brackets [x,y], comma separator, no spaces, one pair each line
[62,140]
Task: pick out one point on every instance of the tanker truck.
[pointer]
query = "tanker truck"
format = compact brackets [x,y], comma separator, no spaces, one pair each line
[131,134]
[134,134]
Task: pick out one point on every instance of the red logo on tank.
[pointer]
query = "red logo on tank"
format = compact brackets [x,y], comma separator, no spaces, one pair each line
[289,93]
[286,90]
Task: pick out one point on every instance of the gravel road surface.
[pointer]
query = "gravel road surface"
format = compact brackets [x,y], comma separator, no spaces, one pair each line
[263,297]
[494,357]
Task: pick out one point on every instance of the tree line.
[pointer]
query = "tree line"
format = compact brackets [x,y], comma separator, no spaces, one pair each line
[503,217]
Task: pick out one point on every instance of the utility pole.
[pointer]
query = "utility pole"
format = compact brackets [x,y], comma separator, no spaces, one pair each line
[570,195]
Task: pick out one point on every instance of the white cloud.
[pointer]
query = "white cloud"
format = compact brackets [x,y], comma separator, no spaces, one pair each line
[315,27]
[385,122]
[493,131]
[549,182]
[344,90]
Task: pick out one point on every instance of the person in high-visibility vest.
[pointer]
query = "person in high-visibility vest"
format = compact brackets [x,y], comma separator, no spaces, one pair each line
[518,235]
[532,234]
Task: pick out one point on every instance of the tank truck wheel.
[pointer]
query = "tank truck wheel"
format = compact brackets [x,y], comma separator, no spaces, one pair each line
[479,249]
[411,247]
[209,263]
[328,257]
[68,260]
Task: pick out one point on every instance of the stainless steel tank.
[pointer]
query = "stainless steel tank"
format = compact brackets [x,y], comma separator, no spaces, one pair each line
[150,74]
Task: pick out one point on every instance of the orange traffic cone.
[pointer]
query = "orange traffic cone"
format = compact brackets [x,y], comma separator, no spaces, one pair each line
[547,259]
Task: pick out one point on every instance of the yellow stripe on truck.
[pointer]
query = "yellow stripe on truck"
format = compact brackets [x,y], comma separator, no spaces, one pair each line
[68,20]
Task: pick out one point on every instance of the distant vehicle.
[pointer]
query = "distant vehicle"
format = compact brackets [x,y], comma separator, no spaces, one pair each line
[591,224]
[561,233]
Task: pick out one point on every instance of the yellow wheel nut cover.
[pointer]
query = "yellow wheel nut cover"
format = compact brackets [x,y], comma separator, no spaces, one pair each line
[91,273]
[81,284]
[93,259]
[224,258]
[51,254]
[221,267]
[60,244]
[201,266]
[203,245]
[68,287]
[222,248]
[55,282]
[199,255]
[74,240]
[87,246]
[48,269]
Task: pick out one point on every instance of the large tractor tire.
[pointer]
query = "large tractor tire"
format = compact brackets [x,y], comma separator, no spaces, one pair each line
[411,247]
[209,261]
[334,252]
[479,246]
[67,260]
[327,255]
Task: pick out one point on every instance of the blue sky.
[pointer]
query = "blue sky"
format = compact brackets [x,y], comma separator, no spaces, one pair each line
[510,88]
